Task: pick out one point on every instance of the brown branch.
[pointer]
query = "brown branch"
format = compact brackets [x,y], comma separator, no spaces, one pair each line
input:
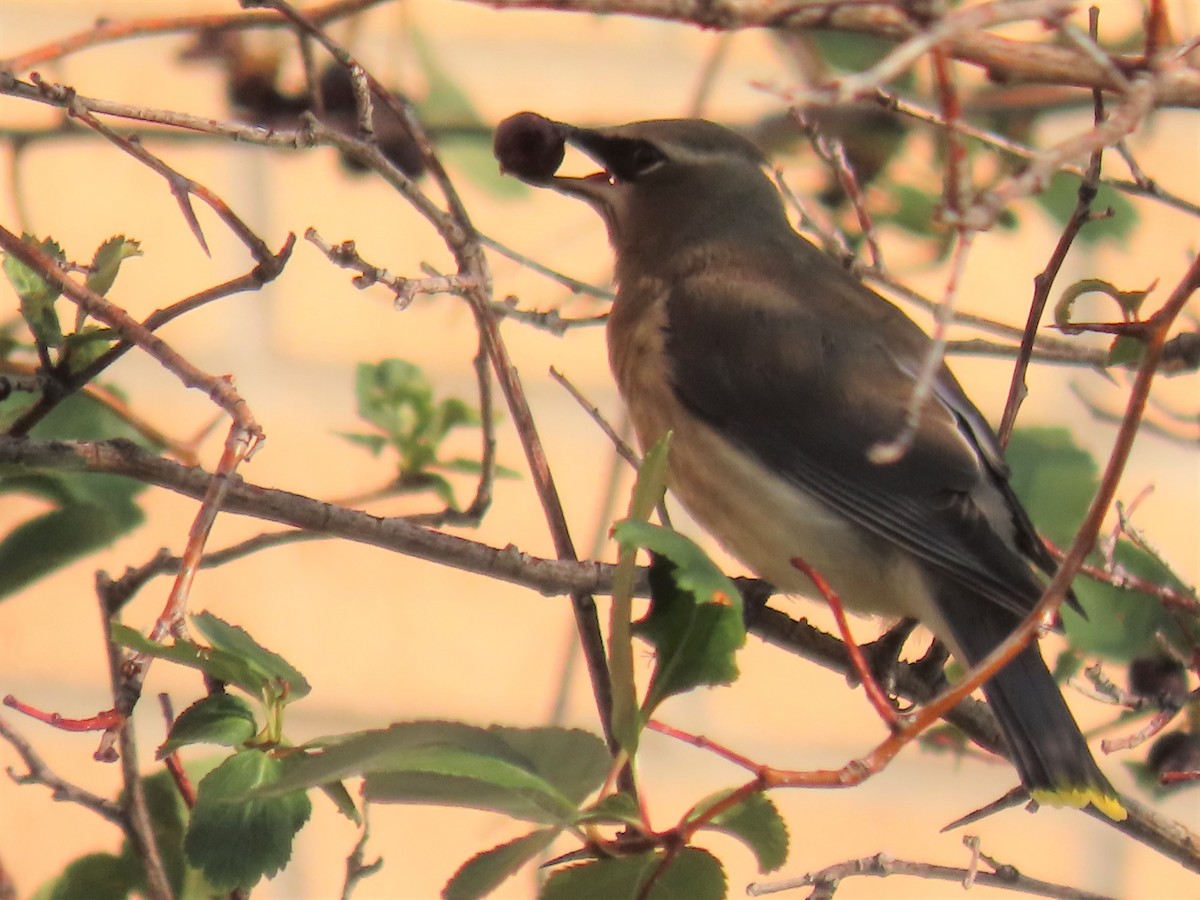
[1139,187]
[108,31]
[253,280]
[137,814]
[881,865]
[40,773]
[1043,283]
[1004,59]
[220,390]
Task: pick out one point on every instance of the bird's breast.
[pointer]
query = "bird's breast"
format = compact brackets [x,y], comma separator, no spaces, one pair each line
[756,515]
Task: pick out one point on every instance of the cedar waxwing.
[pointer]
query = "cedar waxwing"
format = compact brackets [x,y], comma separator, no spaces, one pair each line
[777,372]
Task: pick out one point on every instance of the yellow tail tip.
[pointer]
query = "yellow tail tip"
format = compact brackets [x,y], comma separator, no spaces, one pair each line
[1079,797]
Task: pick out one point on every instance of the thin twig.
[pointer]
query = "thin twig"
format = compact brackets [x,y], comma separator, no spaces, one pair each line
[62,790]
[881,865]
[137,813]
[1043,283]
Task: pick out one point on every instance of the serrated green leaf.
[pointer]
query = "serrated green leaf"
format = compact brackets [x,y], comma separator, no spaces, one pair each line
[755,822]
[540,774]
[36,294]
[693,874]
[83,347]
[694,571]
[168,820]
[695,619]
[236,641]
[218,664]
[93,510]
[484,872]
[395,397]
[453,776]
[99,875]
[216,719]
[106,262]
[236,835]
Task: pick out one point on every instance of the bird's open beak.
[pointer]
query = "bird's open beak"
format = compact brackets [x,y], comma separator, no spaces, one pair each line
[602,149]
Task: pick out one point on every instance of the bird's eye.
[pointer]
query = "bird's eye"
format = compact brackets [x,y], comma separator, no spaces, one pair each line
[644,158]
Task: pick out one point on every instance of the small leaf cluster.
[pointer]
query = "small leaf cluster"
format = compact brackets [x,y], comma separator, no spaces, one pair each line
[38,295]
[397,400]
[88,512]
[236,834]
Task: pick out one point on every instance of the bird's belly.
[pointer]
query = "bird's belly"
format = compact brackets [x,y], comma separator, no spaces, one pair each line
[765,522]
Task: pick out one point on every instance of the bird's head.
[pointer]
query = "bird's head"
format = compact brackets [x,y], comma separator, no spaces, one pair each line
[663,184]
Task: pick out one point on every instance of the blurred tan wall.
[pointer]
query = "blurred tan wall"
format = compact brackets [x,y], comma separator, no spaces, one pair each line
[383,638]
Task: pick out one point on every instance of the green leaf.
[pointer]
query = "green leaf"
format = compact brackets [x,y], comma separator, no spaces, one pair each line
[107,262]
[472,155]
[647,493]
[336,791]
[694,874]
[614,809]
[93,510]
[218,664]
[37,295]
[1059,199]
[445,103]
[168,820]
[372,442]
[914,210]
[1123,624]
[486,871]
[695,618]
[98,875]
[216,719]
[85,346]
[237,836]
[1056,481]
[755,822]
[1128,301]
[540,774]
[1068,664]
[847,52]
[1126,350]
[44,544]
[394,396]
[453,776]
[237,641]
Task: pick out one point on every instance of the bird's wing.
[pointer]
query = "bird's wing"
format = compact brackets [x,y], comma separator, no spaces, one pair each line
[809,395]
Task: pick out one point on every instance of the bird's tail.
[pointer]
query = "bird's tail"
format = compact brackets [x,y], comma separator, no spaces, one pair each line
[1046,745]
